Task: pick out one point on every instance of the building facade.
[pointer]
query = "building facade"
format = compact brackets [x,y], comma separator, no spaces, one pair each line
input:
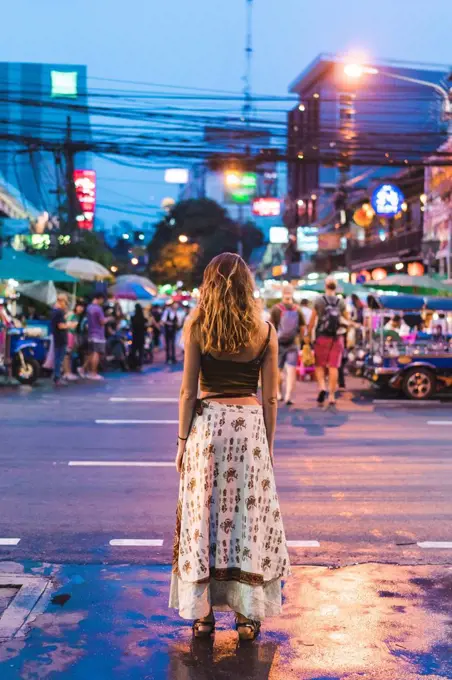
[36,103]
[348,135]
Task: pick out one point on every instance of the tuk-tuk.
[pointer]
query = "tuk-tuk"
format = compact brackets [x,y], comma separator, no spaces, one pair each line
[419,364]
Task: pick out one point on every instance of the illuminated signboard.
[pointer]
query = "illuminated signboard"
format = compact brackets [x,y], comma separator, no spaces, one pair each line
[176,176]
[307,239]
[266,207]
[64,83]
[387,200]
[85,190]
[240,187]
[279,235]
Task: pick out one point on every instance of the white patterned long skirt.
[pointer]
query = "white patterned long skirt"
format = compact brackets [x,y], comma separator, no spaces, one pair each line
[230,549]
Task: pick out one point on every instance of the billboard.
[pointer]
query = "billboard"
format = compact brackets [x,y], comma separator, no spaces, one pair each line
[85,190]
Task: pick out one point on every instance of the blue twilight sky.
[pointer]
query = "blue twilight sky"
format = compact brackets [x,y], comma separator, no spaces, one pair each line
[200,43]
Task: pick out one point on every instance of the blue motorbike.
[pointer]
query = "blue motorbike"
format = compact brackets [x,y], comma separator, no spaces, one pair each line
[25,356]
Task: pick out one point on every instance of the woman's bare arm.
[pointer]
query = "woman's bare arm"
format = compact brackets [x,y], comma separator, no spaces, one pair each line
[188,392]
[270,388]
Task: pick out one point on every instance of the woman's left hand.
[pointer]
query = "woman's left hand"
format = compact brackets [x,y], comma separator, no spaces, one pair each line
[180,455]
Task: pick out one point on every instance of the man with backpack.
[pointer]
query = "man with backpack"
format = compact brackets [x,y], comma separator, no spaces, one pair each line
[331,316]
[289,322]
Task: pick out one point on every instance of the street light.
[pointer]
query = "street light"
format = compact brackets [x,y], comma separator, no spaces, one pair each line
[358,70]
[183,238]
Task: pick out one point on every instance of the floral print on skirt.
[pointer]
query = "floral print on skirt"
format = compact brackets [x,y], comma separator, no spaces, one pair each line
[230,547]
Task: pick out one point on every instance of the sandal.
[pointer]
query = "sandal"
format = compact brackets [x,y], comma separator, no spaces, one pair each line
[248,630]
[203,628]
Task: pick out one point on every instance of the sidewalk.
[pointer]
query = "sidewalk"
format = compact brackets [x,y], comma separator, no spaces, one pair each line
[367,621]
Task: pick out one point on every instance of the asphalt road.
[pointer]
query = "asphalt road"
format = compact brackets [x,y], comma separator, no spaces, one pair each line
[368,483]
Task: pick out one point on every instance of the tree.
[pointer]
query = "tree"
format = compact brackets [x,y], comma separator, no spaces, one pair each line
[88,245]
[206,224]
[177,261]
[252,237]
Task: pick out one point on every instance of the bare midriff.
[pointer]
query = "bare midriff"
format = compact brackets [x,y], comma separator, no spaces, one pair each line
[239,401]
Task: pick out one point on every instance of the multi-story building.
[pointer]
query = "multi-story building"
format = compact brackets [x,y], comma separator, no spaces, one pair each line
[37,104]
[353,129]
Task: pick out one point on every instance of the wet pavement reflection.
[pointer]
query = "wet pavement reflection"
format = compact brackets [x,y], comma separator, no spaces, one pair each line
[366,621]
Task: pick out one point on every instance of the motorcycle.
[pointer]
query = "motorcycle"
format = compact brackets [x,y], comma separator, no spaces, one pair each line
[21,356]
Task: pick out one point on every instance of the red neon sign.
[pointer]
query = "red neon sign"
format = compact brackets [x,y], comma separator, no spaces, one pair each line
[85,190]
[267,207]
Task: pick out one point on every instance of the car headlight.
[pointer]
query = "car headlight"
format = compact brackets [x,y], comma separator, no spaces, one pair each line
[377,360]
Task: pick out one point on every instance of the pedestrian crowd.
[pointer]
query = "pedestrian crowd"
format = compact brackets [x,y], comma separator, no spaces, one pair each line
[97,333]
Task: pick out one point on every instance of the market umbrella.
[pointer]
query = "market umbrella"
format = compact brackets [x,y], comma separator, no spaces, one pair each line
[130,291]
[416,285]
[44,291]
[87,270]
[15,264]
[141,280]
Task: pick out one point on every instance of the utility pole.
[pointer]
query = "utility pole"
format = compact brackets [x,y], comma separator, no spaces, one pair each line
[72,203]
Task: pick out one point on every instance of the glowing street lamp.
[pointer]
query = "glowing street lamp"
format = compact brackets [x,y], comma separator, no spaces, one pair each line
[183,238]
[356,71]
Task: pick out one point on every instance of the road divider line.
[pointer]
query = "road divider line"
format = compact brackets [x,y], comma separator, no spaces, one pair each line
[119,463]
[441,545]
[439,422]
[9,541]
[303,544]
[164,400]
[137,542]
[136,422]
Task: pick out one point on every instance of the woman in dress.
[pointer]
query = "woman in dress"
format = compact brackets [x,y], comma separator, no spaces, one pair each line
[230,549]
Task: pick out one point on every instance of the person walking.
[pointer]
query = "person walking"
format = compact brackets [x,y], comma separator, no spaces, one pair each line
[171,324]
[330,315]
[139,330]
[230,549]
[289,322]
[96,338]
[59,328]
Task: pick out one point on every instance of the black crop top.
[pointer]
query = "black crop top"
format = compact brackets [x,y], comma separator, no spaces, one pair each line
[226,376]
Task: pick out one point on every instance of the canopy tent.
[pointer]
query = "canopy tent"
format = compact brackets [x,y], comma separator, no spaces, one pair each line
[416,285]
[342,287]
[86,270]
[15,264]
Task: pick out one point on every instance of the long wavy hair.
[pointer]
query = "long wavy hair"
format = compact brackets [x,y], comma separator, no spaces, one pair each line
[227,317]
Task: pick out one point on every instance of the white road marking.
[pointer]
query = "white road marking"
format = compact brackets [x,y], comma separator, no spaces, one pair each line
[303,544]
[439,422]
[165,400]
[137,542]
[118,463]
[9,541]
[405,402]
[436,544]
[136,422]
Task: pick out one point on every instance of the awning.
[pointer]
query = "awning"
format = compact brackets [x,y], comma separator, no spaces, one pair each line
[14,264]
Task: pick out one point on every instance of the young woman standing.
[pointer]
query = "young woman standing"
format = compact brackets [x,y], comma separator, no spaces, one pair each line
[230,547]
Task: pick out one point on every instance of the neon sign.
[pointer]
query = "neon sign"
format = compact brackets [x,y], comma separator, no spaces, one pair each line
[85,190]
[266,207]
[387,200]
